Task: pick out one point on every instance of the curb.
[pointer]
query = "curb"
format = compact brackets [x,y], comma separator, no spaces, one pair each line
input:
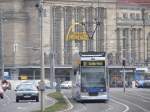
[53,100]
[69,104]
[46,106]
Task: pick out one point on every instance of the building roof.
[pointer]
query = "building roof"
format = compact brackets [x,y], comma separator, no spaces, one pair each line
[142,2]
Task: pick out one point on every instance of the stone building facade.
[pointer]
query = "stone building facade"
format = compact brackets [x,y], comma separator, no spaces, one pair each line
[123,32]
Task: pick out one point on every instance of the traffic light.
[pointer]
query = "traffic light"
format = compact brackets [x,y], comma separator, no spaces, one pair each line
[123,63]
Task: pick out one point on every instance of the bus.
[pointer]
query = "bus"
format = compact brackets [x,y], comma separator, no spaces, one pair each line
[89,78]
[142,77]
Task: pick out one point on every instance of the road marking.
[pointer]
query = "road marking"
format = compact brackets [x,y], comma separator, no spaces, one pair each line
[70,104]
[127,107]
[139,95]
[109,109]
[135,95]
[21,108]
[145,110]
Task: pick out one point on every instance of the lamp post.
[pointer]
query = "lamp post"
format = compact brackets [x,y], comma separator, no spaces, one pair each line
[52,68]
[42,53]
[2,44]
[41,85]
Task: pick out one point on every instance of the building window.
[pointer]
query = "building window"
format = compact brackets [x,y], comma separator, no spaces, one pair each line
[125,16]
[125,32]
[146,17]
[125,35]
[149,17]
[124,43]
[132,15]
[138,16]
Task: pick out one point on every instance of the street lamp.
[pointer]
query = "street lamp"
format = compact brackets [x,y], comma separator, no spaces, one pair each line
[2,19]
[40,11]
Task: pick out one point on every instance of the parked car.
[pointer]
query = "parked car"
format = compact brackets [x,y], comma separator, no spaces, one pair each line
[1,92]
[66,84]
[27,92]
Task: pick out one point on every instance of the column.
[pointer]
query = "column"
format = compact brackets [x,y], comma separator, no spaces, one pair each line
[142,45]
[139,45]
[74,46]
[136,46]
[118,54]
[62,36]
[84,42]
[94,26]
[121,42]
[129,50]
[105,35]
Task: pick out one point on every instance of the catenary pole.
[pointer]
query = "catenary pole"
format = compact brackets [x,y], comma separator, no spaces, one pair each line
[2,44]
[40,7]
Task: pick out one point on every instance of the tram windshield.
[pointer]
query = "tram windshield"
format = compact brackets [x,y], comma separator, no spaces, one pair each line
[93,77]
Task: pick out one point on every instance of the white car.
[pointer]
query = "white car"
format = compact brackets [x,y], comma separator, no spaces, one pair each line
[66,84]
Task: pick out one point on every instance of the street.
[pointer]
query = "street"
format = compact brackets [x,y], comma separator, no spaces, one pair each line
[8,104]
[134,100]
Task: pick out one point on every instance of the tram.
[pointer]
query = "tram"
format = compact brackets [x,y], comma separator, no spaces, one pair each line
[89,77]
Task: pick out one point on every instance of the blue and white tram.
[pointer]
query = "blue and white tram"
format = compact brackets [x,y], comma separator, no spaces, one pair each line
[89,76]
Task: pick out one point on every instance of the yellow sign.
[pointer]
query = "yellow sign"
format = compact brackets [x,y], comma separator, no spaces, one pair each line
[78,36]
[23,77]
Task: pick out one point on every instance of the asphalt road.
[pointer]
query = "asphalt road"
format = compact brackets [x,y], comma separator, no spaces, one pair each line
[133,100]
[8,104]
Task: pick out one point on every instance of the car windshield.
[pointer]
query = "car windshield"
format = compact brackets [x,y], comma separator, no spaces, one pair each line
[26,87]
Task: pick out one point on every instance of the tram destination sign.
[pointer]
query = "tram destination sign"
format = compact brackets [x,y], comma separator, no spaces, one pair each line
[93,63]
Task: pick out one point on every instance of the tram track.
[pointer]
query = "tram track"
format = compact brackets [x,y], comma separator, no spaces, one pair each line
[118,102]
[133,99]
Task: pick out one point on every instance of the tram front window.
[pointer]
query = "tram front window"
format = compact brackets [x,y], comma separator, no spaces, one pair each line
[92,78]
